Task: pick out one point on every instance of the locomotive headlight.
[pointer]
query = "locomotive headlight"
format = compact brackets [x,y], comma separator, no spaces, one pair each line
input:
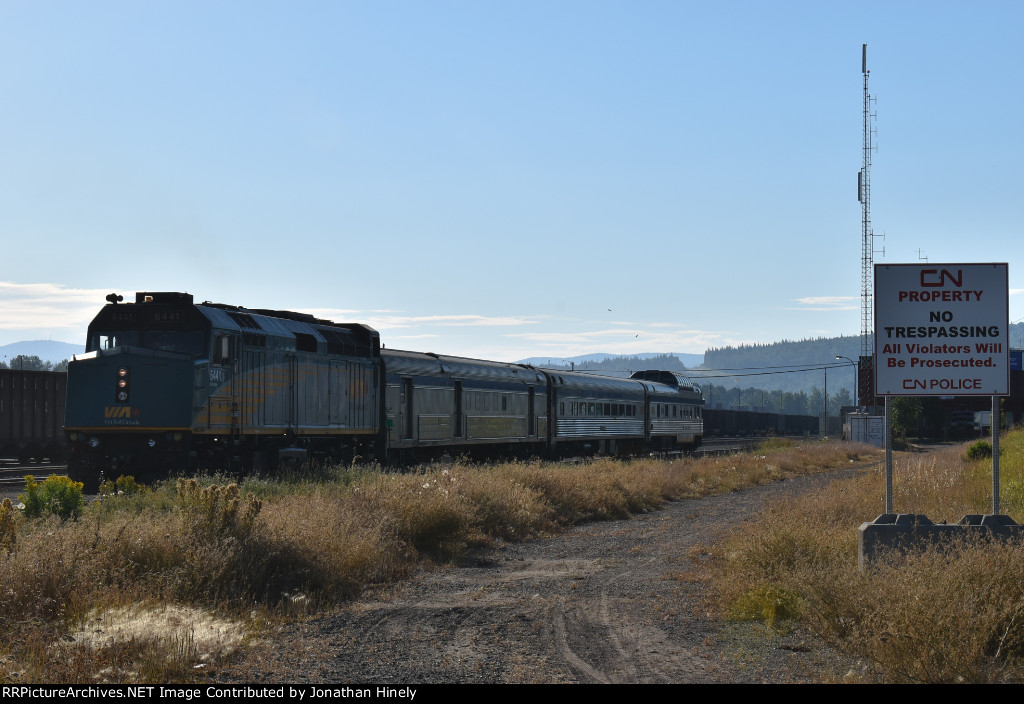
[94,442]
[151,442]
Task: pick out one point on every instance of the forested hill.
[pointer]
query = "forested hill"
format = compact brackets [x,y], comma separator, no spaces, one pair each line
[773,366]
[819,351]
[792,366]
[621,365]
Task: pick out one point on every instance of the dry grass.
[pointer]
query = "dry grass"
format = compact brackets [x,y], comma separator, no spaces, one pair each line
[202,550]
[161,641]
[955,615]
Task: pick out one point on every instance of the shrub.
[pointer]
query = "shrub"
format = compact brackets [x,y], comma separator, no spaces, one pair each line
[58,495]
[777,444]
[978,450]
[124,485]
[217,511]
[770,604]
[8,534]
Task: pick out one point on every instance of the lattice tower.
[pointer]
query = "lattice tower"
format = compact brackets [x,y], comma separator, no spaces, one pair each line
[867,234]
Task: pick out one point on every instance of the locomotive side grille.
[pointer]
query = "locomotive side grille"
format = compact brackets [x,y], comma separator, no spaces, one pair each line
[244,320]
[344,342]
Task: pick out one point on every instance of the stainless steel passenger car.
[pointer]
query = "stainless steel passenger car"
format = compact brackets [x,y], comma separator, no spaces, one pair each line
[596,413]
[675,411]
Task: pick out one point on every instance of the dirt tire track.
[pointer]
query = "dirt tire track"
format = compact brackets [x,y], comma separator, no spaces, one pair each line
[617,601]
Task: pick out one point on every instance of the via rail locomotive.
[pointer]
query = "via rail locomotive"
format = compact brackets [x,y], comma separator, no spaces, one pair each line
[167,385]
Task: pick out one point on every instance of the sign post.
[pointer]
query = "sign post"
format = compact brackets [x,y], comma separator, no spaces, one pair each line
[941,330]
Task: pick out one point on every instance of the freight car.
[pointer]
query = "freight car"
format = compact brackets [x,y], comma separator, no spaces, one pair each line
[720,422]
[165,385]
[31,415]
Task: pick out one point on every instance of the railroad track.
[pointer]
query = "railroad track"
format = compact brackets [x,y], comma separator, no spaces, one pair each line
[12,473]
[725,446]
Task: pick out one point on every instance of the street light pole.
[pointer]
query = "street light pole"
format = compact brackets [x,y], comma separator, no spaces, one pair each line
[856,379]
[824,406]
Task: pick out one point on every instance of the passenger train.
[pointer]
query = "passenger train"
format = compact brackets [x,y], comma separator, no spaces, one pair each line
[167,385]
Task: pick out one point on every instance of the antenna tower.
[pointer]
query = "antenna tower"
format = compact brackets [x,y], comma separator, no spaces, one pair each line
[867,234]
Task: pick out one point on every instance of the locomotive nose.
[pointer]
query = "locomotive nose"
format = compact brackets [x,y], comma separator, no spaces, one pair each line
[125,407]
[128,390]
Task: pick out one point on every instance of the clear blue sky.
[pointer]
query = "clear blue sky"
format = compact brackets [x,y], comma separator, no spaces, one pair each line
[501,179]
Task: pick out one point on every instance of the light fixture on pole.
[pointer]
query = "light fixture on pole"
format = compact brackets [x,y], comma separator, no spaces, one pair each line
[856,379]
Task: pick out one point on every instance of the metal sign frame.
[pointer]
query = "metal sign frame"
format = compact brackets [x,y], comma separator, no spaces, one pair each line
[942,330]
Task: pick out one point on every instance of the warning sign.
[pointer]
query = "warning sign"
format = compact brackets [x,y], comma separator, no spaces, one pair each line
[941,330]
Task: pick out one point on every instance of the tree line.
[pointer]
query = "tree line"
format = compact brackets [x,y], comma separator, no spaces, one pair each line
[32,363]
[801,403]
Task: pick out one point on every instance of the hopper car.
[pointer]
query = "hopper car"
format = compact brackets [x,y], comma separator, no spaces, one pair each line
[32,415]
[719,422]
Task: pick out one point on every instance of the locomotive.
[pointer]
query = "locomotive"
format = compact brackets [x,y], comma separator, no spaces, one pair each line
[167,385]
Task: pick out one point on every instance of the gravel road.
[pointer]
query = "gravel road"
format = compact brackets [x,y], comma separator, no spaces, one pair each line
[611,602]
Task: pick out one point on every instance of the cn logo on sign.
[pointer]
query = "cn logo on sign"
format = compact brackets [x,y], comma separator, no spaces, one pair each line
[928,277]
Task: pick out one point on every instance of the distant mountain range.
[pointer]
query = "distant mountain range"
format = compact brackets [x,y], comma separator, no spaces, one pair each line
[602,360]
[47,350]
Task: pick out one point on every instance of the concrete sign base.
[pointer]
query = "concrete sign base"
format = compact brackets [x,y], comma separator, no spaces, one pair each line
[904,532]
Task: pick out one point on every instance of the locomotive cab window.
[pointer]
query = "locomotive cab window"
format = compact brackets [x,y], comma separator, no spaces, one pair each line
[190,342]
[110,340]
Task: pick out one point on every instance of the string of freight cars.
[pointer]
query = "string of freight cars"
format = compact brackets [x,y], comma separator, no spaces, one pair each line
[700,373]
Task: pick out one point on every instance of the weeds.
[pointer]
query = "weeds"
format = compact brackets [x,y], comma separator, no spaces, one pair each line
[978,450]
[952,615]
[8,527]
[216,512]
[58,495]
[771,604]
[287,545]
[123,486]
